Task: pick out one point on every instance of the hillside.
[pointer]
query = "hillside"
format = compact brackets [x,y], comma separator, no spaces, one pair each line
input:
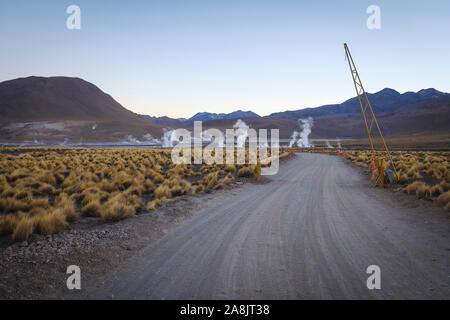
[386,100]
[411,122]
[200,116]
[163,121]
[205,116]
[55,108]
[61,109]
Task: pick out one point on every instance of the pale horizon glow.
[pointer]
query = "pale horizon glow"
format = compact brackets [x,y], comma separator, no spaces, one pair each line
[176,58]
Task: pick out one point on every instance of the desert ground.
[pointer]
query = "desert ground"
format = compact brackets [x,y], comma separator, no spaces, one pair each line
[308,232]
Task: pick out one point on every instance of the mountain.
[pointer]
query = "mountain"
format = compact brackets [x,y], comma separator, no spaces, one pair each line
[205,116]
[200,116]
[429,118]
[426,113]
[65,108]
[164,121]
[383,101]
[56,109]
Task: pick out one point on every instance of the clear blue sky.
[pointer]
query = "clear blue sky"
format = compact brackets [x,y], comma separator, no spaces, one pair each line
[176,58]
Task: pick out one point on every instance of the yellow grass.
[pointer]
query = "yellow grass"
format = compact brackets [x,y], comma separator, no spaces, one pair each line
[43,189]
[426,173]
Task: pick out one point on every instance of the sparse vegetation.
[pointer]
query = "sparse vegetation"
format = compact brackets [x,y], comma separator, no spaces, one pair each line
[43,190]
[424,174]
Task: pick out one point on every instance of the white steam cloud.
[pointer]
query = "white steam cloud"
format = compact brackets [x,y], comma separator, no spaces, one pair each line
[294,138]
[302,138]
[168,139]
[329,146]
[243,132]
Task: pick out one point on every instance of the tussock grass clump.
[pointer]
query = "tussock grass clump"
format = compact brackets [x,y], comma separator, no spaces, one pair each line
[149,186]
[210,181]
[52,222]
[92,209]
[67,205]
[247,172]
[403,178]
[418,188]
[154,176]
[116,209]
[8,223]
[47,189]
[163,192]
[152,205]
[230,168]
[46,177]
[436,190]
[23,229]
[444,198]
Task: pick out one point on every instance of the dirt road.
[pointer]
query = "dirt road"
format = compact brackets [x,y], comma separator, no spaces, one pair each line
[309,233]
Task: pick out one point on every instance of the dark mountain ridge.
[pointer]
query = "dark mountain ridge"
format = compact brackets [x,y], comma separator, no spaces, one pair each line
[383,101]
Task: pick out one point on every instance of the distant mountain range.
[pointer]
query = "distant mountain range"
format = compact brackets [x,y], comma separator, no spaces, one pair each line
[385,100]
[205,116]
[426,111]
[59,108]
[200,116]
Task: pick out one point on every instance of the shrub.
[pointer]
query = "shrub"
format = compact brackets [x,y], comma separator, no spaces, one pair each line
[403,178]
[230,168]
[163,192]
[92,209]
[444,198]
[419,188]
[46,177]
[117,211]
[8,223]
[52,222]
[247,172]
[149,186]
[152,205]
[436,190]
[23,229]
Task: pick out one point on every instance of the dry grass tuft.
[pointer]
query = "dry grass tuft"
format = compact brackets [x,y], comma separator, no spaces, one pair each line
[444,198]
[418,188]
[52,222]
[92,209]
[116,209]
[23,229]
[247,172]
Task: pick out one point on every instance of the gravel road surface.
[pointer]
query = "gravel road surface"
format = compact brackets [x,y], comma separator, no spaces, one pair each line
[310,233]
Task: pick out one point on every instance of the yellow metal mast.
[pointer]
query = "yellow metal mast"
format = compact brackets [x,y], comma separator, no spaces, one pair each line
[369,116]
